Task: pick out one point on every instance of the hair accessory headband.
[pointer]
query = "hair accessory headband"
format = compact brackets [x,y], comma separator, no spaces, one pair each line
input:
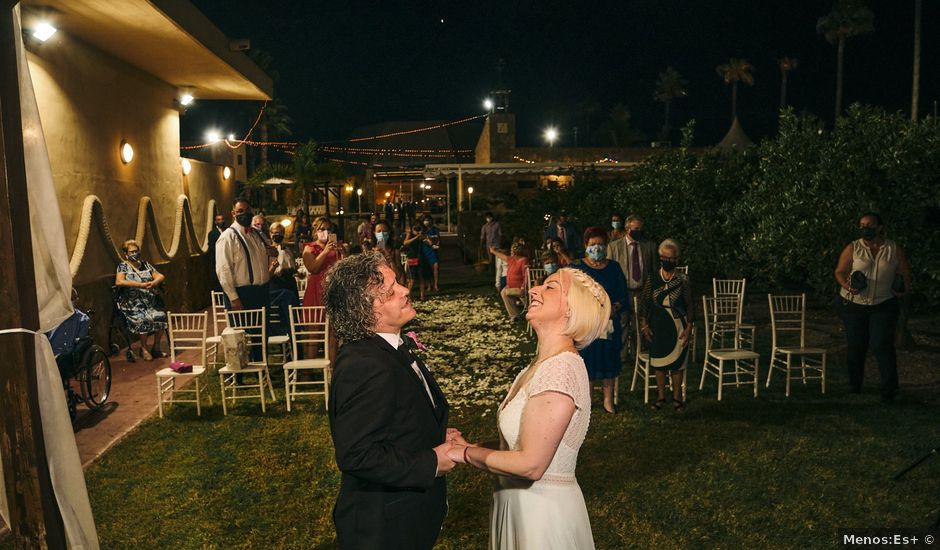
[593,287]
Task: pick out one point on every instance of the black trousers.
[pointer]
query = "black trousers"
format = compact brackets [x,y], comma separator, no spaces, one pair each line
[871,327]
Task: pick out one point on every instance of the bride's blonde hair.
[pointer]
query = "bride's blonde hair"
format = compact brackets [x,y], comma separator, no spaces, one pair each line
[588,308]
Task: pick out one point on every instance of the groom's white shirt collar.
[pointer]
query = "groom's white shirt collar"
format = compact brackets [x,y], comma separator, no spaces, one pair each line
[393,338]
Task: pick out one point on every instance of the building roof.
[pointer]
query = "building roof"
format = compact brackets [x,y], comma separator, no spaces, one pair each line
[735,139]
[398,145]
[169,39]
[523,168]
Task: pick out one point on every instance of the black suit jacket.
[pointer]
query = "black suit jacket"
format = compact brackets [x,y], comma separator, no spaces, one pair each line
[384,430]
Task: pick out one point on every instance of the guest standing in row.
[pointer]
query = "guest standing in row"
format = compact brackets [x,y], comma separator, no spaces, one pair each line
[242,261]
[319,257]
[637,257]
[566,232]
[491,235]
[138,300]
[602,357]
[666,322]
[872,272]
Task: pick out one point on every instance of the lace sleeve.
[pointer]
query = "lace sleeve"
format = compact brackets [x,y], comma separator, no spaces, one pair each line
[563,374]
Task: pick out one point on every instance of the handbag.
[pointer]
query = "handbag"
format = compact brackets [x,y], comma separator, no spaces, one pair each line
[235,347]
[180,367]
[858,281]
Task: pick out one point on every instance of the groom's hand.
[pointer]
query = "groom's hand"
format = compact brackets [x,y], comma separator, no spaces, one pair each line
[444,462]
[454,436]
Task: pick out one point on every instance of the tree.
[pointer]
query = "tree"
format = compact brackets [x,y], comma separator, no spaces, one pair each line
[274,124]
[309,172]
[786,65]
[734,71]
[915,92]
[669,86]
[618,131]
[848,18]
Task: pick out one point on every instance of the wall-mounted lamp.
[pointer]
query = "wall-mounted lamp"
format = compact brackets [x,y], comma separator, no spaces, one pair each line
[127,152]
[187,166]
[226,173]
[43,31]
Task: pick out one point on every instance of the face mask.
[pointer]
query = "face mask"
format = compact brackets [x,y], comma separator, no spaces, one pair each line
[133,256]
[220,225]
[277,237]
[668,265]
[488,220]
[597,252]
[550,268]
[636,234]
[244,219]
[323,235]
[616,225]
[427,224]
[868,233]
[381,236]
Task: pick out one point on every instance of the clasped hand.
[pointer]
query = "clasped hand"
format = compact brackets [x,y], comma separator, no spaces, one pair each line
[451,452]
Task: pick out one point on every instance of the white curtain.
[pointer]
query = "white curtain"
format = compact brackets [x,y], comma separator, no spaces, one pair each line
[53,291]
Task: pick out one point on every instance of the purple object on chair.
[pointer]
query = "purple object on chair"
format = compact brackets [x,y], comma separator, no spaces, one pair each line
[180,367]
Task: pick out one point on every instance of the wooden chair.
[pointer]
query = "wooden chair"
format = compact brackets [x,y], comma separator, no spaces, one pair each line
[744,332]
[532,276]
[252,321]
[788,318]
[219,322]
[301,287]
[743,361]
[280,341]
[693,337]
[187,333]
[310,327]
[641,365]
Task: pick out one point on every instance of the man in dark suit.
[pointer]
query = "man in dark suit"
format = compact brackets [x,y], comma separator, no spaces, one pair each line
[638,257]
[218,226]
[388,416]
[567,233]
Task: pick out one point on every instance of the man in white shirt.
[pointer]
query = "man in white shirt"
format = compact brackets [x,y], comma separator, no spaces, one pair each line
[242,262]
[637,257]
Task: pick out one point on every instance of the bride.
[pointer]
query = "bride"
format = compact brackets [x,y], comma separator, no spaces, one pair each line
[542,423]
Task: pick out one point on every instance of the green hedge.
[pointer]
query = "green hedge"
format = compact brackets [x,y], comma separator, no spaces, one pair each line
[780,212]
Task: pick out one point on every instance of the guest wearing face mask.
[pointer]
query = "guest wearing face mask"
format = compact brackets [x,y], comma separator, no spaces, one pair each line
[283,286]
[218,226]
[637,256]
[383,243]
[616,228]
[242,261]
[666,322]
[872,272]
[491,235]
[602,357]
[432,243]
[549,264]
[138,299]
[258,223]
[319,257]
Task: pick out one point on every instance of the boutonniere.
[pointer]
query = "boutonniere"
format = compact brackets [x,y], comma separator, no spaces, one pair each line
[417,342]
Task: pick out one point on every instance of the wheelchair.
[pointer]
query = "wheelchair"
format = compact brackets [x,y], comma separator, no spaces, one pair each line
[118,331]
[86,375]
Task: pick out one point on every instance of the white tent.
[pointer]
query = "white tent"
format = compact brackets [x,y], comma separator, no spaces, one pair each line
[53,291]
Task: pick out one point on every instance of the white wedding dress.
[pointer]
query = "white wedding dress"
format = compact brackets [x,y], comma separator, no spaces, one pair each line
[549,513]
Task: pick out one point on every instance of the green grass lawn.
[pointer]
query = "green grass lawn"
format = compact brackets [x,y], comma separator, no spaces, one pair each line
[746,472]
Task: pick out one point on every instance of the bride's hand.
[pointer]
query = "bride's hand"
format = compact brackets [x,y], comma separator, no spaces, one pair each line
[454,435]
[456,454]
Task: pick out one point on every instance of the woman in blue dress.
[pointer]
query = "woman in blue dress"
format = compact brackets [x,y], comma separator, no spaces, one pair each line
[138,281]
[666,322]
[602,357]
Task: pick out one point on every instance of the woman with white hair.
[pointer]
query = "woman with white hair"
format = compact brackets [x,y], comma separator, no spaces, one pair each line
[543,421]
[666,322]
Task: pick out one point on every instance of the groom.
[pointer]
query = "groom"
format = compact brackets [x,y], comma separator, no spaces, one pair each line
[388,416]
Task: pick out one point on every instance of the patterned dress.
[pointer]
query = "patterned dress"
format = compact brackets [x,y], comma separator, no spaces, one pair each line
[140,305]
[667,308]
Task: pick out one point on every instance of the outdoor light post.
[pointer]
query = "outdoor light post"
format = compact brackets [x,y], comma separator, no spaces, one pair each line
[470,194]
[551,136]
[359,196]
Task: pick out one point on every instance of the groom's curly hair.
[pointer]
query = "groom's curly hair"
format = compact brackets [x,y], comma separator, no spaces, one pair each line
[349,292]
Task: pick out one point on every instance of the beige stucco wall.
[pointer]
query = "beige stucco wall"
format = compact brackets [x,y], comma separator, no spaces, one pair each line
[89,103]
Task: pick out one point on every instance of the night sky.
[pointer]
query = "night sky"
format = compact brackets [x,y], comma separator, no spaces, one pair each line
[349,63]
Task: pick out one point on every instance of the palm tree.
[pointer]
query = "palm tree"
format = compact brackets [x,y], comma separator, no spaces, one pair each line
[915,93]
[786,64]
[618,130]
[669,86]
[736,70]
[848,18]
[310,172]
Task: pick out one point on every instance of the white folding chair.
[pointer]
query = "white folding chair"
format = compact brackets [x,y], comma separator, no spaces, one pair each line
[280,341]
[218,321]
[684,269]
[744,332]
[310,328]
[641,365]
[252,321]
[743,362]
[788,318]
[301,287]
[187,333]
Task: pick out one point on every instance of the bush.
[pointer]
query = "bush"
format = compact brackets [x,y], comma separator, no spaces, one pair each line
[780,212]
